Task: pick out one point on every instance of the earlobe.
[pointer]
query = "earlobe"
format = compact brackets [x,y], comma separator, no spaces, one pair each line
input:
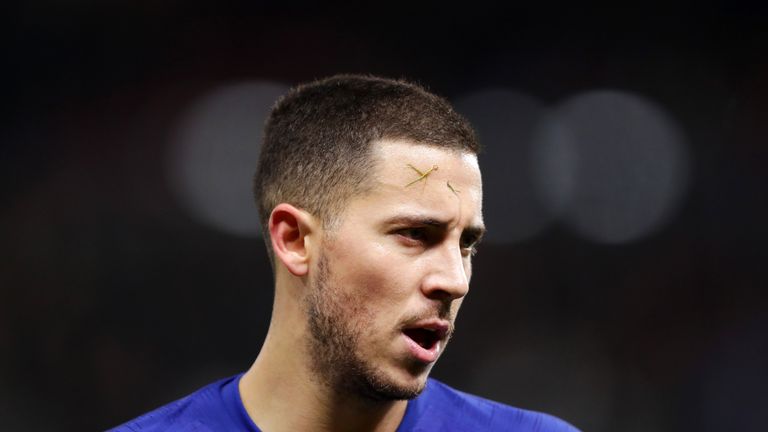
[290,230]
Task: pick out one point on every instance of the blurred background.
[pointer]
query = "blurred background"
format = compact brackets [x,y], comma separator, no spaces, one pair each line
[622,283]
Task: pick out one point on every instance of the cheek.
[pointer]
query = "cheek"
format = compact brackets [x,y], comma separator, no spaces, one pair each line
[373,275]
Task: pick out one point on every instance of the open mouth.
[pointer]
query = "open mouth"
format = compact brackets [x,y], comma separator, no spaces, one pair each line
[425,338]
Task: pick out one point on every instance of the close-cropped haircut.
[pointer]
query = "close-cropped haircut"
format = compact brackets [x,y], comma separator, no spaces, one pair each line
[317,151]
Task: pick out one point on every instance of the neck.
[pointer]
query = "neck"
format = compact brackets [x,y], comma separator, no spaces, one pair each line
[281,393]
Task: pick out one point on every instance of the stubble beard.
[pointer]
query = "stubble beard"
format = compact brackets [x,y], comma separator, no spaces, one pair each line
[335,323]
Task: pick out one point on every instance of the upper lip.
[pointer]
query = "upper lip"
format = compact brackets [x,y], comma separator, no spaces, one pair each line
[440,327]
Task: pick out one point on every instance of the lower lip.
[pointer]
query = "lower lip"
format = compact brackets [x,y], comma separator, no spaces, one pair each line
[423,354]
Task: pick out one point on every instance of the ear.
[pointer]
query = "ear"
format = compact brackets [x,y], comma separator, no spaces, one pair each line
[290,230]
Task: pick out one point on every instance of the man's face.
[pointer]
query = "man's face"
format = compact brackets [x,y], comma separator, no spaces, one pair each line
[391,276]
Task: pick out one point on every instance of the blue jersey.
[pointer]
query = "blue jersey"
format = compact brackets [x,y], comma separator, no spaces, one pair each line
[218,407]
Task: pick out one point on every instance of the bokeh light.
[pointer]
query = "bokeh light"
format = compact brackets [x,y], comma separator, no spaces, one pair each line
[214,154]
[616,161]
[506,123]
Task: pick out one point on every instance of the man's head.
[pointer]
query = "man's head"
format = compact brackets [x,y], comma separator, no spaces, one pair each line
[318,141]
[371,195]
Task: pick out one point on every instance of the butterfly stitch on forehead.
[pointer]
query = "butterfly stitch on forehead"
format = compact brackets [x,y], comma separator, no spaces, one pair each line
[422,175]
[455,191]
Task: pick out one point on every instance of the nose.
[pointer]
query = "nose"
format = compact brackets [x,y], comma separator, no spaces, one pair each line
[448,275]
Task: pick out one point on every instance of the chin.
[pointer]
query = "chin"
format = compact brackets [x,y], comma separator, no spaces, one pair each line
[400,384]
[389,392]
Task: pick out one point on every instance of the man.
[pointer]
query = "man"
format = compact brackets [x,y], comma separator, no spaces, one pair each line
[370,197]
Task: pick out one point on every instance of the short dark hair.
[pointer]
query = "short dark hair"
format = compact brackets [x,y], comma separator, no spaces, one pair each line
[317,149]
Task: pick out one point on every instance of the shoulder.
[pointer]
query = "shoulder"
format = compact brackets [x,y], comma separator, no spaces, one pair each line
[201,411]
[447,409]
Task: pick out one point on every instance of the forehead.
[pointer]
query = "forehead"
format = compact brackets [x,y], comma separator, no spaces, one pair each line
[422,179]
[401,159]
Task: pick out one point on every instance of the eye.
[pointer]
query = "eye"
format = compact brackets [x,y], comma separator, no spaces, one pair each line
[468,251]
[469,245]
[414,233]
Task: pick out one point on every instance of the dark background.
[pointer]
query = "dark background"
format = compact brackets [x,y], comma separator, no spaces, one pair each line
[115,299]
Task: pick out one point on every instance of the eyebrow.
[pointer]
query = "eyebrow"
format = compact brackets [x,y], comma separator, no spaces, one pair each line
[475,231]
